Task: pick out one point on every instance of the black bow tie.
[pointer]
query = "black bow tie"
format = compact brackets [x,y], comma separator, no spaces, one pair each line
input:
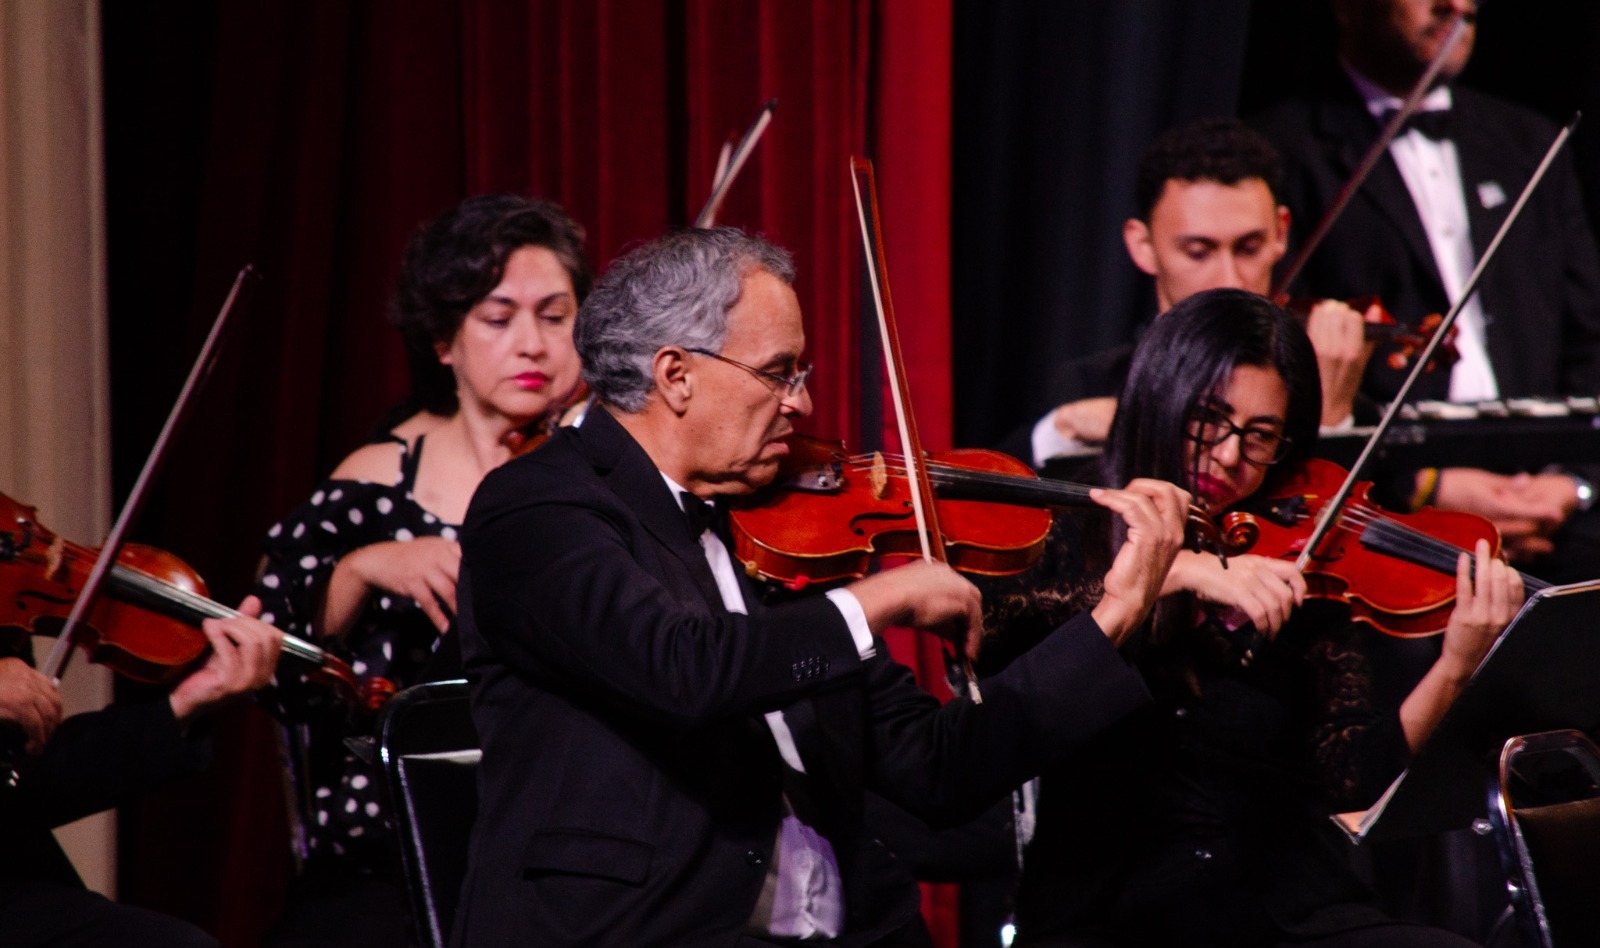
[1434,123]
[703,516]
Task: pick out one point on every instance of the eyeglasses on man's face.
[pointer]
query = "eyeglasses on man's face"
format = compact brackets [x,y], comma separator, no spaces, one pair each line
[1209,427]
[785,386]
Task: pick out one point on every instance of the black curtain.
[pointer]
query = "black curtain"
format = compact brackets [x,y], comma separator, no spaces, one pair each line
[1053,104]
[1543,54]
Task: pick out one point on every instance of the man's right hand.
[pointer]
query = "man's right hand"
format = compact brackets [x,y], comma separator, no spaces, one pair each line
[1154,512]
[1339,336]
[922,595]
[1087,421]
[424,569]
[30,700]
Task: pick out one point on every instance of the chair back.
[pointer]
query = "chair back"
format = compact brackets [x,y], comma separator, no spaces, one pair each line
[430,753]
[1545,809]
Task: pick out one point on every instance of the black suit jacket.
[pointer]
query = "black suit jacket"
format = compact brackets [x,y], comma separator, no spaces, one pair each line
[1541,293]
[630,792]
[1097,375]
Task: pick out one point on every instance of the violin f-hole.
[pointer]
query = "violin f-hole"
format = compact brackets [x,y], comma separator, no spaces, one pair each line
[880,516]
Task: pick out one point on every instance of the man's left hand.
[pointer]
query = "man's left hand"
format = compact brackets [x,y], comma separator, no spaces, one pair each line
[244,654]
[1339,336]
[1154,512]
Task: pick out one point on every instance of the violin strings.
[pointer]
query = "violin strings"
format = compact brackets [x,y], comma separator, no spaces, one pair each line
[198,605]
[174,595]
[1407,542]
[954,475]
[1402,538]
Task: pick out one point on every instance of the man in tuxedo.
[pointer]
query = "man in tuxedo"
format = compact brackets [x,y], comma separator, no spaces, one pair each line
[1417,227]
[669,761]
[93,761]
[1208,217]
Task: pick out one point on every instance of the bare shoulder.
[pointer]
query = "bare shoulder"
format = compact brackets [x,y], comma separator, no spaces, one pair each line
[374,463]
[419,424]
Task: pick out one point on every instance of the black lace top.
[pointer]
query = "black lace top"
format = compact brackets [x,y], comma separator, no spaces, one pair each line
[341,805]
[1205,818]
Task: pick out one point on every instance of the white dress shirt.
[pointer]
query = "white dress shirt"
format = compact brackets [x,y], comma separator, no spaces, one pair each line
[1048,441]
[803,896]
[1432,172]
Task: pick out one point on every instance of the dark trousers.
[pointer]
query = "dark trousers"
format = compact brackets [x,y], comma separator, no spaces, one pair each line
[1398,935]
[335,908]
[38,914]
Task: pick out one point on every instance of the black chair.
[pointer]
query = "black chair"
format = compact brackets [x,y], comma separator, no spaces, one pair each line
[1545,810]
[430,754]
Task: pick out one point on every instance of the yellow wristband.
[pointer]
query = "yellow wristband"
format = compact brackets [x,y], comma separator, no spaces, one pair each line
[1426,489]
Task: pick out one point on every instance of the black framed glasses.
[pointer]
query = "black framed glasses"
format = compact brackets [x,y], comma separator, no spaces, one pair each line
[788,386]
[1209,427]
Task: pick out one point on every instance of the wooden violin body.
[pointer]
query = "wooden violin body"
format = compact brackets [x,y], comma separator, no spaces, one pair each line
[147,627]
[41,579]
[829,514]
[1396,571]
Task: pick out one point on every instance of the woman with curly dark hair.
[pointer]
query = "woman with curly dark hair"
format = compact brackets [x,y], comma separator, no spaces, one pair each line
[486,300]
[1204,820]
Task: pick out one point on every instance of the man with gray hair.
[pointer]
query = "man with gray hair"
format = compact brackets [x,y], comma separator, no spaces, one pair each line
[667,761]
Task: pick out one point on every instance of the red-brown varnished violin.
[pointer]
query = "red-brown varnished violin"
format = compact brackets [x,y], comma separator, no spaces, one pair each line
[147,626]
[1396,571]
[829,513]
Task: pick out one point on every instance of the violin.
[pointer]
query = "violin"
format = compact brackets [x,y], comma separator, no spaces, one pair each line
[148,626]
[1407,340]
[1396,571]
[829,513]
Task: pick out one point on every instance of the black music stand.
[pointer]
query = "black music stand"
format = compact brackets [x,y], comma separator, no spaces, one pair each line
[1542,674]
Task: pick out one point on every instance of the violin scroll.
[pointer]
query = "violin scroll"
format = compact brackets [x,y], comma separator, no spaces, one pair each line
[1238,533]
[365,695]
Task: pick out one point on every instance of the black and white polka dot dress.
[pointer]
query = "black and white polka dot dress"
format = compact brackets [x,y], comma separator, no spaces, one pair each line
[345,816]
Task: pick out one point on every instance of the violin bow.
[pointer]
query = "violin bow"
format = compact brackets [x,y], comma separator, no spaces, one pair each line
[864,185]
[863,180]
[55,663]
[731,163]
[1330,511]
[1369,161]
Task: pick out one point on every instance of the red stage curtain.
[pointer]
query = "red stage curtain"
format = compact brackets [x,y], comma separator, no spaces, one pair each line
[622,116]
[335,128]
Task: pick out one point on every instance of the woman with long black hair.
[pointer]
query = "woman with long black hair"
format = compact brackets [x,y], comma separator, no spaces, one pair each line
[1205,819]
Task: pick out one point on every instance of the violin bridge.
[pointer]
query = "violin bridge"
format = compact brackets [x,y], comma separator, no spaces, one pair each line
[55,560]
[879,476]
